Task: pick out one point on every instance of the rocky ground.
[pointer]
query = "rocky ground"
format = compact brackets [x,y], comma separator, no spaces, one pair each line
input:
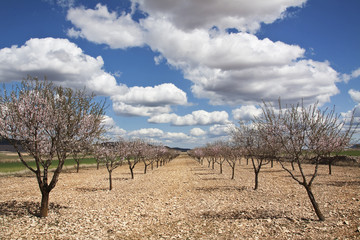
[182,200]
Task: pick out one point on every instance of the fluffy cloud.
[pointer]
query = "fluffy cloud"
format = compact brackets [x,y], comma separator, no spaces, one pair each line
[246,113]
[147,132]
[164,94]
[221,130]
[225,68]
[197,132]
[112,130]
[60,61]
[355,95]
[199,117]
[63,62]
[158,134]
[124,109]
[176,136]
[354,74]
[189,49]
[101,26]
[241,14]
[148,101]
[240,68]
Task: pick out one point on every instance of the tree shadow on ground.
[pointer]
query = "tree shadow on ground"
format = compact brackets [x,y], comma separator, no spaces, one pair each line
[204,173]
[198,169]
[23,208]
[212,179]
[272,171]
[341,183]
[245,215]
[90,189]
[221,188]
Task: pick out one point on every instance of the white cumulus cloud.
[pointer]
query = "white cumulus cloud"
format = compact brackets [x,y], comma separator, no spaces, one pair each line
[147,132]
[112,130]
[197,132]
[240,14]
[240,68]
[355,95]
[221,130]
[199,117]
[236,68]
[61,61]
[164,94]
[246,112]
[101,26]
[148,101]
[64,63]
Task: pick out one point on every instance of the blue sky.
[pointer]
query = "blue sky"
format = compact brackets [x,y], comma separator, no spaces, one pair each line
[183,72]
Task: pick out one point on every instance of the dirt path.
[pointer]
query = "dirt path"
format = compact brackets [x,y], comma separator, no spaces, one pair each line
[182,200]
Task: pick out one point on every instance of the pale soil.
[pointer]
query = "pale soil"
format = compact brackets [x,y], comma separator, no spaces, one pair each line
[182,200]
[11,156]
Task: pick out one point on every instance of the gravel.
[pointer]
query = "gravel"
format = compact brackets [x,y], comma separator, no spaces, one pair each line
[182,200]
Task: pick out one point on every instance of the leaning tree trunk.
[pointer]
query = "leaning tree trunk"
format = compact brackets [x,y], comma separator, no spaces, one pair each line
[314,203]
[145,168]
[221,170]
[233,171]
[132,172]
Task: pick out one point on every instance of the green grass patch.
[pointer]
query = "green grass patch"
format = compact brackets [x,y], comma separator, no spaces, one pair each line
[350,152]
[16,166]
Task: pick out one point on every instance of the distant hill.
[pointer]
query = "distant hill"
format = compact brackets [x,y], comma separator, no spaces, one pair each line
[6,146]
[179,149]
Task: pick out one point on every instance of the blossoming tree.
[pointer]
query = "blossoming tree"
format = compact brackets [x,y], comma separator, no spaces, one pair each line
[112,154]
[48,121]
[302,134]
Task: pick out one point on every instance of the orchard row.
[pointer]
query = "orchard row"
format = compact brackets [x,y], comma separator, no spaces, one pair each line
[295,134]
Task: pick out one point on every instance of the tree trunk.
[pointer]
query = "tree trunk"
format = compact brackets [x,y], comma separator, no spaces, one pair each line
[330,167]
[220,168]
[131,172]
[110,181]
[272,163]
[213,164]
[314,203]
[77,166]
[145,168]
[256,180]
[97,165]
[233,172]
[44,208]
[292,165]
